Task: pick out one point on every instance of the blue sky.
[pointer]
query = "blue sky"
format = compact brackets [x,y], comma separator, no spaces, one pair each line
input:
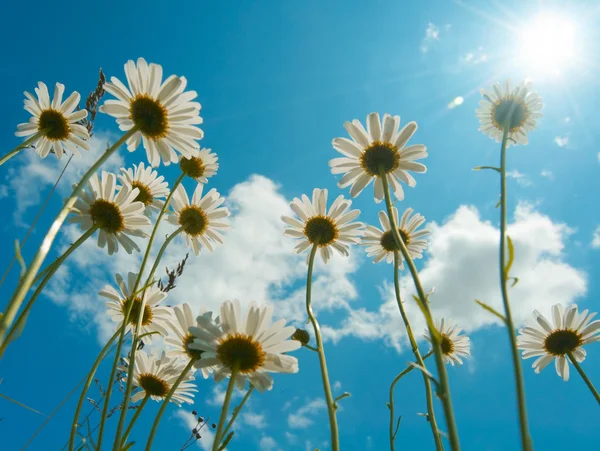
[276,81]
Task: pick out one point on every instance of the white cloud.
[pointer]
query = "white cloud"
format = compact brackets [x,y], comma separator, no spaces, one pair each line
[474,57]
[218,395]
[562,141]
[268,444]
[567,119]
[337,386]
[291,438]
[596,238]
[303,417]
[255,420]
[207,436]
[462,265]
[432,34]
[521,178]
[548,174]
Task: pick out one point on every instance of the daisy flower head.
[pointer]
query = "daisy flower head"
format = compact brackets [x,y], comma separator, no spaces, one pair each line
[152,187]
[379,149]
[454,345]
[180,336]
[324,228]
[546,341]
[155,318]
[162,112]
[381,245]
[57,120]
[155,375]
[250,344]
[201,165]
[506,105]
[113,210]
[202,219]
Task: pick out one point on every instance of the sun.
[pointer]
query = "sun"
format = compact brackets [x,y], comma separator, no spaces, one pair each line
[549,44]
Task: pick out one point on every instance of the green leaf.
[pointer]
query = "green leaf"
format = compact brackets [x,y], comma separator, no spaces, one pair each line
[498,204]
[226,441]
[127,446]
[14,401]
[479,168]
[511,256]
[491,310]
[515,281]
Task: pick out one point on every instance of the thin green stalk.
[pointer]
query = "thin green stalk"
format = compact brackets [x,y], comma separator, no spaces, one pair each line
[22,146]
[394,431]
[164,405]
[415,349]
[443,389]
[526,442]
[586,379]
[19,323]
[27,280]
[237,410]
[86,387]
[333,426]
[135,417]
[224,410]
[138,320]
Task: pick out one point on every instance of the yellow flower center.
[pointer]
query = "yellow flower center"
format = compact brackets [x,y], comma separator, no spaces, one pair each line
[193,220]
[145,195]
[447,345]
[135,312]
[191,353]
[562,341]
[107,216]
[149,116]
[388,242]
[321,230]
[511,111]
[192,167]
[153,385]
[241,351]
[380,155]
[55,123]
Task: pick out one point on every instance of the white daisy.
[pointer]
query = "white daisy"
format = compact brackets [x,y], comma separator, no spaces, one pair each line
[181,337]
[454,345]
[381,148]
[249,343]
[326,229]
[381,245]
[201,219]
[155,375]
[116,215]
[201,165]
[570,332]
[58,119]
[163,113]
[151,186]
[506,104]
[156,318]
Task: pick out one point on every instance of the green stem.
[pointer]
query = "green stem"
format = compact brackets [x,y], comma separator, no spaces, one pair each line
[135,417]
[22,146]
[391,402]
[415,349]
[27,280]
[86,387]
[224,410]
[138,320]
[586,379]
[237,410]
[333,426]
[526,442]
[19,323]
[443,390]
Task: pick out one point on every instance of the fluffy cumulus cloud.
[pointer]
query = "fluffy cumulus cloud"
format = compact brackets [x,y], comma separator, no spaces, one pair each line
[521,178]
[304,416]
[462,266]
[255,420]
[562,141]
[432,34]
[268,443]
[596,238]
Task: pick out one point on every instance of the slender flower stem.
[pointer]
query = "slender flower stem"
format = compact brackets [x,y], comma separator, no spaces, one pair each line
[19,323]
[586,379]
[391,401]
[333,426]
[415,349]
[22,146]
[135,417]
[237,410]
[224,410]
[526,442]
[86,387]
[27,280]
[138,320]
[443,389]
